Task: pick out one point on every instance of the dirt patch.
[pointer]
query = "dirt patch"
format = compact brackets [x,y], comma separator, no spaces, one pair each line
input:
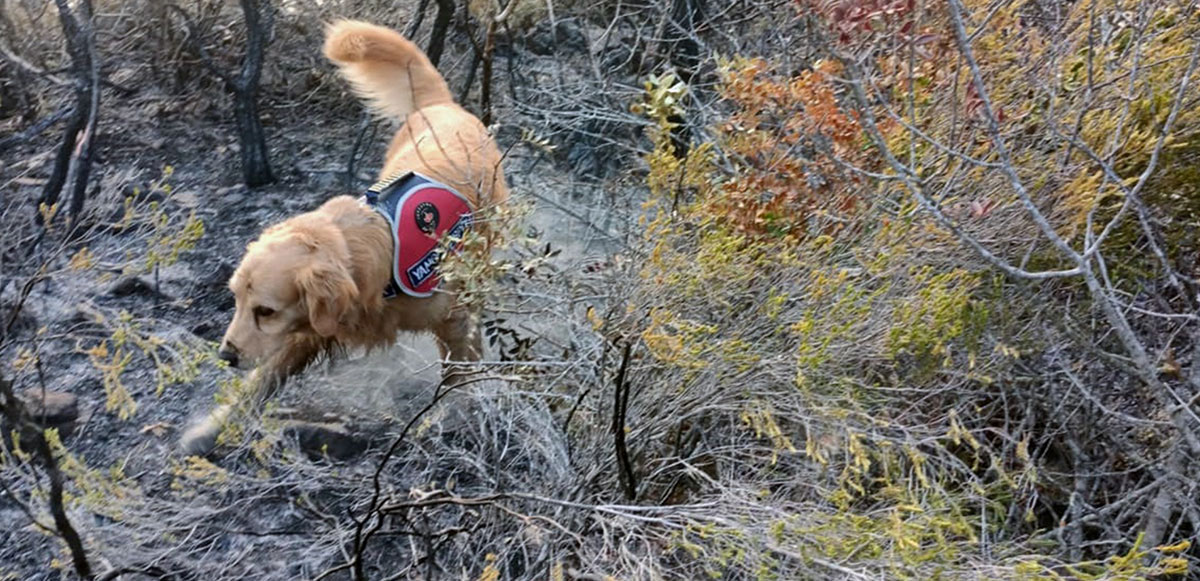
[177,155]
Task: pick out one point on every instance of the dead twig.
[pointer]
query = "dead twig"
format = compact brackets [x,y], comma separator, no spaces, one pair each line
[18,417]
[620,407]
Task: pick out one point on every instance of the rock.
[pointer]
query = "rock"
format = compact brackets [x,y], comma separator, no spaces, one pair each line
[569,38]
[620,58]
[219,276]
[213,289]
[230,196]
[51,409]
[130,286]
[324,435]
[207,331]
[186,199]
[319,440]
[142,195]
[24,322]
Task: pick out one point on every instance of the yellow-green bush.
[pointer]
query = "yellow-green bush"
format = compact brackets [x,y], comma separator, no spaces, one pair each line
[851,343]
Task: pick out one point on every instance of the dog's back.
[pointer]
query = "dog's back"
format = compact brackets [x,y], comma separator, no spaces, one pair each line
[439,138]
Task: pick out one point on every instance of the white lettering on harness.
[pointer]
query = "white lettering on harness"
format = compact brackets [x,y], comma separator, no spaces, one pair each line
[424,268]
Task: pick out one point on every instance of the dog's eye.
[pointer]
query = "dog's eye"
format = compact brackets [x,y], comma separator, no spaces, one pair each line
[261,311]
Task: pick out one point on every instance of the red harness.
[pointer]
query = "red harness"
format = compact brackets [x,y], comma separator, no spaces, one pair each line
[421,212]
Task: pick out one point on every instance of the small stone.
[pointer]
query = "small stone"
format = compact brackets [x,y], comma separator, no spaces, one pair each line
[231,195]
[186,199]
[219,276]
[323,435]
[207,331]
[129,286]
[50,409]
[319,440]
[142,195]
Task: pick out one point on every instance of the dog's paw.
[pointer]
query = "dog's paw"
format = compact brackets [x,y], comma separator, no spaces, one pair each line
[201,437]
[199,440]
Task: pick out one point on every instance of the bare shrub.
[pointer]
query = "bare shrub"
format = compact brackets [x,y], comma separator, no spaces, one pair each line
[879,290]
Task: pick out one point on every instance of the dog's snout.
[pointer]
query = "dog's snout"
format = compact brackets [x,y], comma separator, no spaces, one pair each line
[229,355]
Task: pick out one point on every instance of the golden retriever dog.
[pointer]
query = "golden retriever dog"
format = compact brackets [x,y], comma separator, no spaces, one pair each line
[315,283]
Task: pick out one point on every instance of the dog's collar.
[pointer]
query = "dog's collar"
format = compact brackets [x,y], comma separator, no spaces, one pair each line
[419,211]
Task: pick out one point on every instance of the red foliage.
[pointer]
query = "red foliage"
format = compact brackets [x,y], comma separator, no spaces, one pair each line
[855,19]
[787,136]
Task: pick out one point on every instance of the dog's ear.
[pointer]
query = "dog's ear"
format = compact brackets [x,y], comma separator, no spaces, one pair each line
[329,293]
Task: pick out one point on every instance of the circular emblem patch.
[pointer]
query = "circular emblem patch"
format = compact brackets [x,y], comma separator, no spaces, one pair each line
[427,217]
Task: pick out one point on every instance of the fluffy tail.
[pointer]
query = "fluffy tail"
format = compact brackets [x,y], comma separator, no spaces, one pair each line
[386,69]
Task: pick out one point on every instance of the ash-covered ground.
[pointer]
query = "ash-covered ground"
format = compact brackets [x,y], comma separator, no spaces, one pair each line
[178,154]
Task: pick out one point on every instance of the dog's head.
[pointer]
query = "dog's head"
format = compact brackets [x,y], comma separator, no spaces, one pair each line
[294,280]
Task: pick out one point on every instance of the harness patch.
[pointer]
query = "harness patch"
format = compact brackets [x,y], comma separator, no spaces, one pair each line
[421,212]
[427,217]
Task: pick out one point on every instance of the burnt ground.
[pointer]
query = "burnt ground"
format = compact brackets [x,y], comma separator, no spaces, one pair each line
[310,138]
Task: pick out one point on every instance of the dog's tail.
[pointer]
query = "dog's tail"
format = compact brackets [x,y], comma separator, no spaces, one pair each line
[386,69]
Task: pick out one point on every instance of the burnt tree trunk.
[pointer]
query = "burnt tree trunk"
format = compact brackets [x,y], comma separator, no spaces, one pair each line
[260,19]
[683,52]
[489,50]
[441,24]
[485,89]
[476,58]
[15,80]
[256,165]
[683,42]
[73,160]
[418,16]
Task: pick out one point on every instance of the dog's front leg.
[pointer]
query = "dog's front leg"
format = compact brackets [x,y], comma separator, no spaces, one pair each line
[459,343]
[263,383]
[458,337]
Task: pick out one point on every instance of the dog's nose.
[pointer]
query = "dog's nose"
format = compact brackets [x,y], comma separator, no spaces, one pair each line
[229,356]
